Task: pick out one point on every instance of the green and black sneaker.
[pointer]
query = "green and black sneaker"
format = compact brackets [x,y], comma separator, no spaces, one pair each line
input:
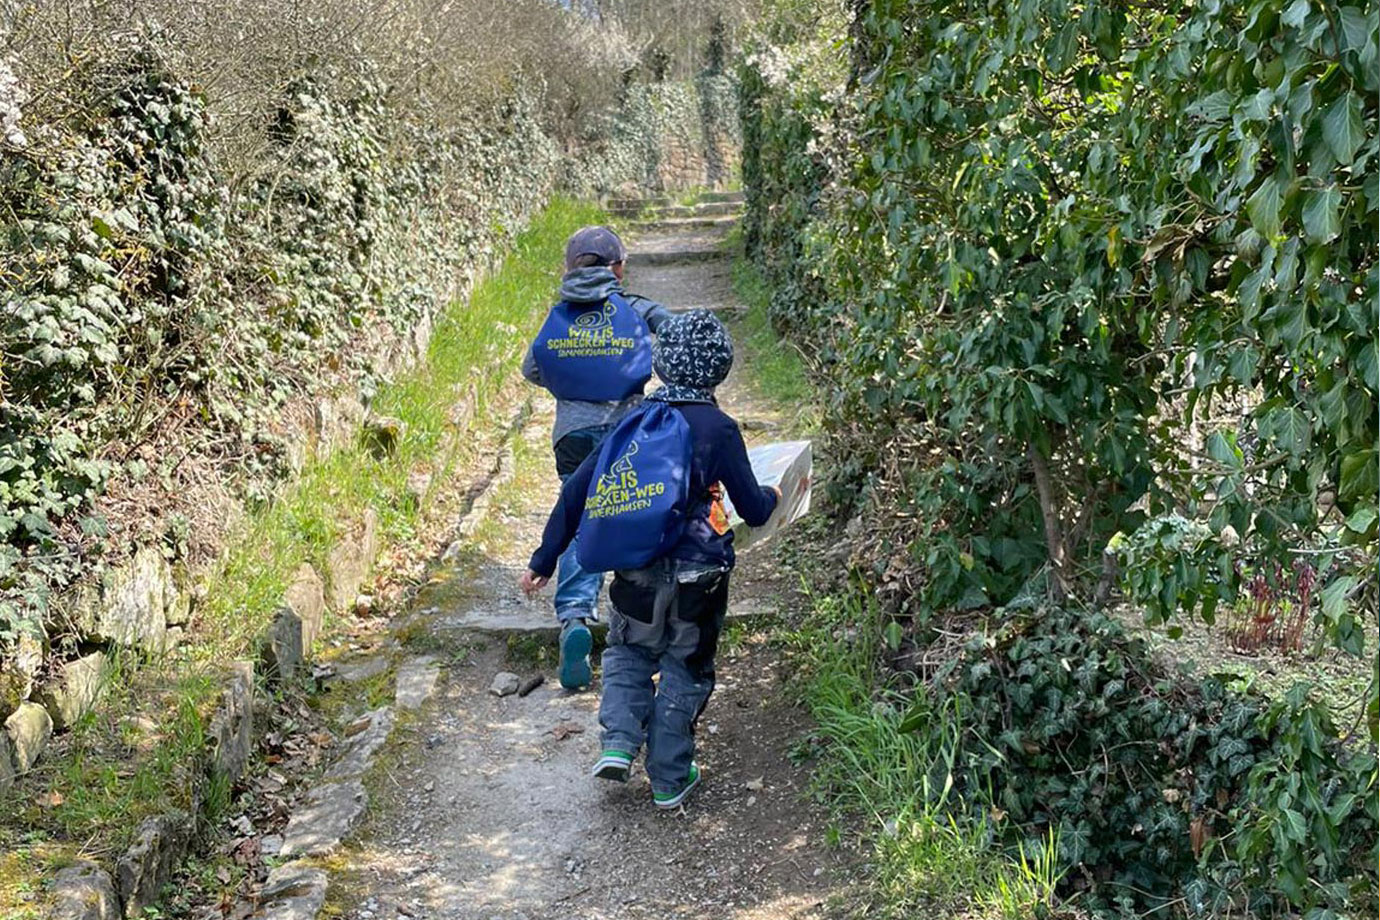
[614,765]
[673,799]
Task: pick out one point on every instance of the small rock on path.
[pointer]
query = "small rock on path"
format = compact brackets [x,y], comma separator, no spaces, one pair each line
[505,683]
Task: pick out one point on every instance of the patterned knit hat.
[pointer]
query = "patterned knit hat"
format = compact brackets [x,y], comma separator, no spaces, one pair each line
[692,350]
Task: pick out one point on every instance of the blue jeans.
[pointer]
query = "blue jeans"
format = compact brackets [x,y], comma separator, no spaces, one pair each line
[577,591]
[665,618]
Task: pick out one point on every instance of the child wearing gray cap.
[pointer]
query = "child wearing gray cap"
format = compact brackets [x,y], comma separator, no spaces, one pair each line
[594,354]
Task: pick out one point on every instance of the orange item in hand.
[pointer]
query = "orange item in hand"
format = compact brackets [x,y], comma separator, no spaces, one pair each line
[718,517]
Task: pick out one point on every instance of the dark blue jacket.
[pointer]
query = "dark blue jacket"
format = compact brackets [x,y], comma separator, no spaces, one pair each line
[719,456]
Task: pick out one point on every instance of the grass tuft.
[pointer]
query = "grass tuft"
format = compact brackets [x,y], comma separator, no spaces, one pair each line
[778,371]
[935,854]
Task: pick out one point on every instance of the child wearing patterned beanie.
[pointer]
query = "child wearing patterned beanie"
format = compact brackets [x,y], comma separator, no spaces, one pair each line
[666,617]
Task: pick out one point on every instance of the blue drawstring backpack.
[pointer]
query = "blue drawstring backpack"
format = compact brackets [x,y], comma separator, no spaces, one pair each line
[595,352]
[637,503]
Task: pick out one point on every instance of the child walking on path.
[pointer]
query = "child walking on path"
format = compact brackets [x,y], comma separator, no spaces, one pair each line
[594,355]
[666,617]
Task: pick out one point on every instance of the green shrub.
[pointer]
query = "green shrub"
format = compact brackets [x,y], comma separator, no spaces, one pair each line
[1160,788]
[936,854]
[1160,792]
[161,310]
[107,242]
[1069,272]
[1052,258]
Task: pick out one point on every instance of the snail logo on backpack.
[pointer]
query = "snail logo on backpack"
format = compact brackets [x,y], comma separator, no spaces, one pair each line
[638,498]
[594,352]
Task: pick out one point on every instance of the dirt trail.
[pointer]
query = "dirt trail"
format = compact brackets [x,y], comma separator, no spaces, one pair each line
[483,806]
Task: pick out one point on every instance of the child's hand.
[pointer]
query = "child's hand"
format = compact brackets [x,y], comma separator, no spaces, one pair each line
[531,582]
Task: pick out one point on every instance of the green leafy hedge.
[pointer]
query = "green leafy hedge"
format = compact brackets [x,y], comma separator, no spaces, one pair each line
[103,250]
[1156,788]
[143,287]
[1056,237]
[1080,277]
[651,121]
[158,309]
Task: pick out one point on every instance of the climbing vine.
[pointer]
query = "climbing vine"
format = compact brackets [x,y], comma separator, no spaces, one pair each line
[1088,266]
[103,247]
[1092,291]
[157,308]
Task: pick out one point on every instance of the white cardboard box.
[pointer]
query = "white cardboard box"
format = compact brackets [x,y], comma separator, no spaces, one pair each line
[788,465]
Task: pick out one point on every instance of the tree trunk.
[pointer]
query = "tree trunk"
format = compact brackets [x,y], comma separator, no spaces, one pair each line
[1054,538]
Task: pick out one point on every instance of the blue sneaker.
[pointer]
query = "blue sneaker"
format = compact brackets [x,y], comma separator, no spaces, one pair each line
[576,642]
[673,799]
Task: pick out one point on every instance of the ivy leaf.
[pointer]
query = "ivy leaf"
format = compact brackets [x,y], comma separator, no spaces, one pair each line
[1339,810]
[1263,207]
[1332,405]
[1358,475]
[1290,430]
[1355,29]
[1291,319]
[1344,128]
[1366,363]
[36,524]
[1294,826]
[1248,293]
[92,265]
[123,218]
[1213,107]
[1242,365]
[1222,448]
[1295,15]
[1361,520]
[1321,220]
[1334,596]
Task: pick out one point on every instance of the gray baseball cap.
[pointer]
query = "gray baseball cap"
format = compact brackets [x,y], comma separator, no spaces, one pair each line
[594,241]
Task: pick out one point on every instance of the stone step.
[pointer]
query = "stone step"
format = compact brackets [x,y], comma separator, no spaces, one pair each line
[534,619]
[707,209]
[662,212]
[735,197]
[679,247]
[672,224]
[676,256]
[635,205]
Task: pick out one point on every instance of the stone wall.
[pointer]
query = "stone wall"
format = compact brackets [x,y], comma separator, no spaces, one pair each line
[665,137]
[144,604]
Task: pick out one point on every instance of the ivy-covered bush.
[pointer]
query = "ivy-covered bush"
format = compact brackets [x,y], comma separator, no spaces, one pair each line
[166,298]
[109,238]
[1155,788]
[1092,294]
[629,146]
[1055,240]
[786,177]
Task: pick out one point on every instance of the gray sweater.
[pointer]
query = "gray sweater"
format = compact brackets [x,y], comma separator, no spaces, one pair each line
[593,285]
